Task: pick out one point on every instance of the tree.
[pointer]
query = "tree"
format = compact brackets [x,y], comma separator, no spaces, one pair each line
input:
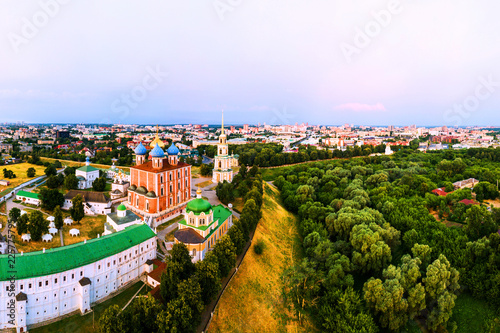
[14,214]
[486,191]
[71,182]
[253,171]
[99,184]
[190,292]
[22,224]
[69,171]
[31,172]
[441,283]
[225,192]
[141,314]
[76,211]
[58,217]
[178,317]
[38,225]
[51,198]
[206,169]
[111,321]
[479,222]
[372,246]
[207,273]
[343,311]
[50,170]
[52,182]
[243,171]
[170,279]
[225,251]
[236,235]
[180,254]
[301,287]
[179,267]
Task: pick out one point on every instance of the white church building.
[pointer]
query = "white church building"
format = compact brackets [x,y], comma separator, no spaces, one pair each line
[86,175]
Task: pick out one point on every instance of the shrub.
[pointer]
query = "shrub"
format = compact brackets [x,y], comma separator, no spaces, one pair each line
[259,247]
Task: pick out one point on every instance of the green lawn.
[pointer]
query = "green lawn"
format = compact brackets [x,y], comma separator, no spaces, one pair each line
[166,224]
[6,191]
[471,314]
[84,324]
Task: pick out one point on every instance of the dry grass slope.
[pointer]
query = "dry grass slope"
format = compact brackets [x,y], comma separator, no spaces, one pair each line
[20,172]
[252,302]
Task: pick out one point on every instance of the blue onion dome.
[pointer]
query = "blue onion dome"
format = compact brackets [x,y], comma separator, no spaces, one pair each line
[140,149]
[173,150]
[157,152]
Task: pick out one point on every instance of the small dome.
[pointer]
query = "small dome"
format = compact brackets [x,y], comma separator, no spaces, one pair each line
[142,190]
[132,188]
[157,152]
[121,207]
[140,149]
[151,194]
[198,206]
[173,150]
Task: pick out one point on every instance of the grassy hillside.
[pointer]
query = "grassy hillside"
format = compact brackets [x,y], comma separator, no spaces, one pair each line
[252,302]
[20,172]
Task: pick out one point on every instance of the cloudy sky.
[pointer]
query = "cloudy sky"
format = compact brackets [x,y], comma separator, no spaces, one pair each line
[275,61]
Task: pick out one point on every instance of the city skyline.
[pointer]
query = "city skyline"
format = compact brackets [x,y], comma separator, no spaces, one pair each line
[385,63]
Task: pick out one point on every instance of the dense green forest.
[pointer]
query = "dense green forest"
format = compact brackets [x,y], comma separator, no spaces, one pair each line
[377,260]
[271,154]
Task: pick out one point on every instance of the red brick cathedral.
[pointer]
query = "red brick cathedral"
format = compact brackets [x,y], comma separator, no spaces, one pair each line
[160,187]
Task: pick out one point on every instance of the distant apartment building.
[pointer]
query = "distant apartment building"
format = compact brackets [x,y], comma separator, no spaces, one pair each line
[6,147]
[62,134]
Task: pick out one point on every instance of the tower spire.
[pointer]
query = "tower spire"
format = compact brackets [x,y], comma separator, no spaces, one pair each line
[222,127]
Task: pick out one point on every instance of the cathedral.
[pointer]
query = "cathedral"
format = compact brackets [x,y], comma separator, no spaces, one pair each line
[223,162]
[203,225]
[160,186]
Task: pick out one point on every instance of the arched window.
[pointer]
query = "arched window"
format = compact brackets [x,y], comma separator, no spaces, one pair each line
[220,164]
[194,252]
[170,175]
[147,205]
[161,179]
[161,191]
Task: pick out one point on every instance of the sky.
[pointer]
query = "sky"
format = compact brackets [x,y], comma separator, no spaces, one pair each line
[331,62]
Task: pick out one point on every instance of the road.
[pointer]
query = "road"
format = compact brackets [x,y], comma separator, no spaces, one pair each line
[207,160]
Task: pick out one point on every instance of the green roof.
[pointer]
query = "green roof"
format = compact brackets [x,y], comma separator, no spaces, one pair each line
[129,217]
[60,259]
[87,168]
[28,194]
[221,214]
[198,206]
[121,207]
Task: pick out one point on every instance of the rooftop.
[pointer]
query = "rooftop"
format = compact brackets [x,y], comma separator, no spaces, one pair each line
[27,194]
[88,196]
[87,168]
[148,166]
[129,217]
[189,236]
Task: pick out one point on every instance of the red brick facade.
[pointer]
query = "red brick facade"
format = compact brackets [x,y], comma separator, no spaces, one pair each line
[158,190]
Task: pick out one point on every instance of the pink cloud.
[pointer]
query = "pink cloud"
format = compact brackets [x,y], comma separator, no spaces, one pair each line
[361,107]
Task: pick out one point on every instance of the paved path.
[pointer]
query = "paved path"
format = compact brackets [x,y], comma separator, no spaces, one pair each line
[61,236]
[161,234]
[205,191]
